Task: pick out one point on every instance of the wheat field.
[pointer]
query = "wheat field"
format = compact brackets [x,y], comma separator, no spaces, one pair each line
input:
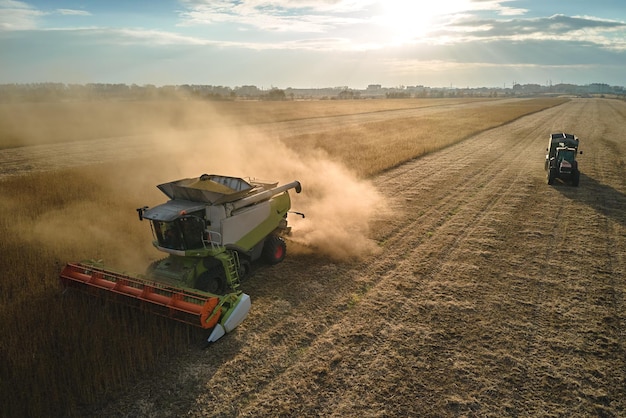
[66,355]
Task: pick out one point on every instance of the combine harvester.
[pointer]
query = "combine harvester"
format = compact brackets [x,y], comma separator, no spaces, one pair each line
[212,228]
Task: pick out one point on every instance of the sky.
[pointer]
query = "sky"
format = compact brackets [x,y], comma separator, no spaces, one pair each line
[314,43]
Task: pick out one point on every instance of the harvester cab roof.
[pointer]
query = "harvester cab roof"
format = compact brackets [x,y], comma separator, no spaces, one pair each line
[171,210]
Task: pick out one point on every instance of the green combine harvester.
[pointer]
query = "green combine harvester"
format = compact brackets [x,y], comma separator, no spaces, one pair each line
[212,228]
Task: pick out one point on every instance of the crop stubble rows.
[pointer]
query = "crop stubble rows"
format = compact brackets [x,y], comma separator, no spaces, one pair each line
[54,200]
[494,295]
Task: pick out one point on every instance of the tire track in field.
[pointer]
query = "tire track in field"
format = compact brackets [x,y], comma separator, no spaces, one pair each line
[352,335]
[473,307]
[347,284]
[491,176]
[607,190]
[276,308]
[430,180]
[572,277]
[391,259]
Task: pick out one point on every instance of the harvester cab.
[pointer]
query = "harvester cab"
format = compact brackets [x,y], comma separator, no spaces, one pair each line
[212,229]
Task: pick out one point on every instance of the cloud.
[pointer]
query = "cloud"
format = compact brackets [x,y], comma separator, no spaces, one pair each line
[506,50]
[153,37]
[17,15]
[497,6]
[334,25]
[72,12]
[352,25]
[601,32]
[272,15]
[318,16]
[316,42]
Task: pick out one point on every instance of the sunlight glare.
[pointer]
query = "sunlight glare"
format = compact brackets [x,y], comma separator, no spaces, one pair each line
[409,21]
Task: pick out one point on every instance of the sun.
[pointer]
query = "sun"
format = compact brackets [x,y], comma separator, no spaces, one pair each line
[411,21]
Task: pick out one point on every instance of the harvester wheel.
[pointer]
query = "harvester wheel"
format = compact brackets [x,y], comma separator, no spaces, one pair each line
[213,281]
[245,268]
[575,178]
[274,249]
[551,175]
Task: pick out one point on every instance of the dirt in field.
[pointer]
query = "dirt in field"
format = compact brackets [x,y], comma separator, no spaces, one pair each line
[491,293]
[494,295]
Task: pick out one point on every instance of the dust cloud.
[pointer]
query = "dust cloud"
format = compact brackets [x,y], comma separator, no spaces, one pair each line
[338,206]
[192,140]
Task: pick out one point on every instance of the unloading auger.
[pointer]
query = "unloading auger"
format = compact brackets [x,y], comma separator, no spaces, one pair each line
[212,228]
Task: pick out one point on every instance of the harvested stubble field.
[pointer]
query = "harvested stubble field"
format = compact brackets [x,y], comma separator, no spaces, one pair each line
[457,283]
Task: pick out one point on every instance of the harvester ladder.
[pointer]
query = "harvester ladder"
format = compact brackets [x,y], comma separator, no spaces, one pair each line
[230,261]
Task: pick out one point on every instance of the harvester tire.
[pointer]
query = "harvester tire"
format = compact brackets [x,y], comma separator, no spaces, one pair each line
[245,268]
[274,249]
[575,178]
[551,175]
[212,281]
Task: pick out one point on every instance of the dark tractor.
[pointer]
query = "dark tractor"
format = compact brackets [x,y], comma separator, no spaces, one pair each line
[561,158]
